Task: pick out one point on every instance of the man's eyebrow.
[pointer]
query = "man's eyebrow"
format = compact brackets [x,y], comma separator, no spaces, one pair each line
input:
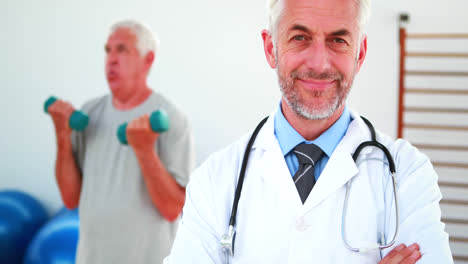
[300,28]
[341,32]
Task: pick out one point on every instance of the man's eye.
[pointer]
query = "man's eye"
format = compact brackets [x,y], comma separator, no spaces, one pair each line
[299,38]
[339,40]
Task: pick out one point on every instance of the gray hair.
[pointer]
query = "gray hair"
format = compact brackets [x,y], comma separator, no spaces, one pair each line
[146,40]
[275,8]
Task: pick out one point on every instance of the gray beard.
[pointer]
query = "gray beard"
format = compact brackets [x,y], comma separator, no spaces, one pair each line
[313,112]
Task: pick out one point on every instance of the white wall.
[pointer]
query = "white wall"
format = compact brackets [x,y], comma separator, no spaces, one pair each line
[211,63]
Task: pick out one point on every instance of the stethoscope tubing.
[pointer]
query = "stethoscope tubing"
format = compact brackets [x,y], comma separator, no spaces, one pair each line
[391,165]
[227,242]
[343,222]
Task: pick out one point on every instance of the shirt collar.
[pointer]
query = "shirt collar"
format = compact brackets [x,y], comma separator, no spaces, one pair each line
[289,138]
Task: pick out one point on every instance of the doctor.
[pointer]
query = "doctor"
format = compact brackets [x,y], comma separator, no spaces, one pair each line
[290,209]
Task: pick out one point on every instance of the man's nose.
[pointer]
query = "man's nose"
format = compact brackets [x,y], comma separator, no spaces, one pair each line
[317,56]
[111,58]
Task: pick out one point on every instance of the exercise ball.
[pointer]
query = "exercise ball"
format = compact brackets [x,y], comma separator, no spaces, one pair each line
[56,241]
[20,218]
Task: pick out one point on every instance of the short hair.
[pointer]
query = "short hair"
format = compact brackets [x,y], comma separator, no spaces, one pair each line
[275,8]
[145,38]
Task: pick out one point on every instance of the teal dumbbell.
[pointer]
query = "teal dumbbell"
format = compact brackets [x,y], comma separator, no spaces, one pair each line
[78,120]
[159,122]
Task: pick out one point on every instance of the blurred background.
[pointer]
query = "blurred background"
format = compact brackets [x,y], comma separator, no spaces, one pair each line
[211,63]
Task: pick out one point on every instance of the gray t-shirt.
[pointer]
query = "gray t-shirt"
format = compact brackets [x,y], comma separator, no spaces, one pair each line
[118,221]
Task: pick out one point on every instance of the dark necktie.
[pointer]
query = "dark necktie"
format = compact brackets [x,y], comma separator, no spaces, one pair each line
[304,179]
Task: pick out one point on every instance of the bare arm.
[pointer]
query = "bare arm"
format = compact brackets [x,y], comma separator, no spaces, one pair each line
[167,195]
[67,174]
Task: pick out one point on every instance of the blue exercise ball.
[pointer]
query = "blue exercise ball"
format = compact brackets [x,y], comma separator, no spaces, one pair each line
[20,217]
[56,241]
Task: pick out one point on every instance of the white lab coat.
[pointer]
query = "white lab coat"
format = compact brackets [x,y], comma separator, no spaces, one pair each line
[273,226]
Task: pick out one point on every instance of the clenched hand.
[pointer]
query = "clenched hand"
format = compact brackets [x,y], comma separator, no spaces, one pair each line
[139,134]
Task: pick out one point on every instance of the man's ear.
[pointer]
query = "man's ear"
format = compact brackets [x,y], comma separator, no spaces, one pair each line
[362,52]
[149,59]
[269,48]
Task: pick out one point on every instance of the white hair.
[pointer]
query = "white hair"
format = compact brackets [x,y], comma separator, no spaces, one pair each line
[146,40]
[275,8]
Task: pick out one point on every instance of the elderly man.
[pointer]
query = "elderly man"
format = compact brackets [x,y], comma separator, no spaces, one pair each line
[128,197]
[288,180]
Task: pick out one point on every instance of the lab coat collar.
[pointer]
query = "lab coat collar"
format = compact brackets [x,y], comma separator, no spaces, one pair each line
[266,138]
[357,133]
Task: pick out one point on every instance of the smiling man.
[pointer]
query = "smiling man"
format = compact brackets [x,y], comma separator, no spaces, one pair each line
[129,197]
[292,204]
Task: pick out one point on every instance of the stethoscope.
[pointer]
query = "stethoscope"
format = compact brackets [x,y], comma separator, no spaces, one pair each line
[228,239]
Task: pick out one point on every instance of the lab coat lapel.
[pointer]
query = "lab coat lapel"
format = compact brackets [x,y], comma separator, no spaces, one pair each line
[339,170]
[340,167]
[272,166]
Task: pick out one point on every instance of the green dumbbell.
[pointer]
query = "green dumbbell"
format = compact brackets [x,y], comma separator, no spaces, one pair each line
[78,120]
[159,122]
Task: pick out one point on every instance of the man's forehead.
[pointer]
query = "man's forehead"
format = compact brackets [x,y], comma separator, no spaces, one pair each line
[341,8]
[121,35]
[327,14]
[319,2]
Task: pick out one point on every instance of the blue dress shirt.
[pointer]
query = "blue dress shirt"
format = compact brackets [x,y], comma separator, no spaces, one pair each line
[289,138]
